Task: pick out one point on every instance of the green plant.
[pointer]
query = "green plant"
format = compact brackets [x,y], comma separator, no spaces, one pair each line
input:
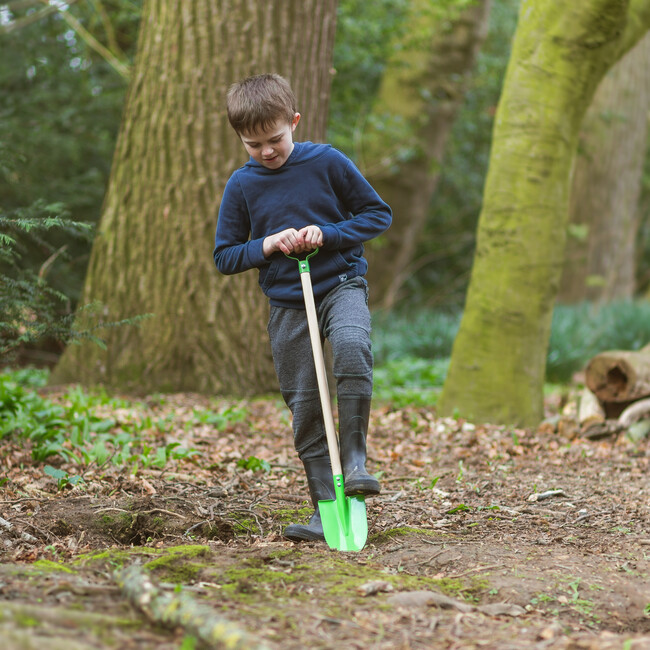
[254,463]
[73,432]
[31,308]
[221,419]
[416,333]
[62,478]
[410,380]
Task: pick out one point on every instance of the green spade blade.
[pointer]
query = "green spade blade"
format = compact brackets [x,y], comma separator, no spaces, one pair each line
[345,522]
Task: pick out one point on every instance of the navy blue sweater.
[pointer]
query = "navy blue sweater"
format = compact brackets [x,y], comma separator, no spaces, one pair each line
[318,185]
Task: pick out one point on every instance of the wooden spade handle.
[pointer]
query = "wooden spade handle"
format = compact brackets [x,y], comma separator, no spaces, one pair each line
[321,374]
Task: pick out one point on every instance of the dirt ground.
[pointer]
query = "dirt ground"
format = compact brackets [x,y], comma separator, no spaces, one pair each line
[482,537]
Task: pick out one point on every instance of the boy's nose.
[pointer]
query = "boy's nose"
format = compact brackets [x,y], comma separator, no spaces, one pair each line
[267,150]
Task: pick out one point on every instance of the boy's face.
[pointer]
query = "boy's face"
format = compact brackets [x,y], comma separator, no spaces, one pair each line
[273,146]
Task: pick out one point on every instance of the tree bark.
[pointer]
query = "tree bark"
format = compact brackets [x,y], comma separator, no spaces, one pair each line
[560,53]
[421,92]
[600,255]
[174,154]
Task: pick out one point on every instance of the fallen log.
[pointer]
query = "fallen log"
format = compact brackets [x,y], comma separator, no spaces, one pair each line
[638,411]
[619,375]
[173,610]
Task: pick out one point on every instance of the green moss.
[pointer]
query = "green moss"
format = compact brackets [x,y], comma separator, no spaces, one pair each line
[114,557]
[178,564]
[404,531]
[246,581]
[48,565]
[293,515]
[289,552]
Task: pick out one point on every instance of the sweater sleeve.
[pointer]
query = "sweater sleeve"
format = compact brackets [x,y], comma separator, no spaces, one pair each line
[234,252]
[370,216]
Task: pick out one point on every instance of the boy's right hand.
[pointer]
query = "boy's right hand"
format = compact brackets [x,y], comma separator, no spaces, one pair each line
[291,241]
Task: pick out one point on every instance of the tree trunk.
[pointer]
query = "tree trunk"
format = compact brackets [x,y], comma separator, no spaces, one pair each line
[175,152]
[560,53]
[601,247]
[421,92]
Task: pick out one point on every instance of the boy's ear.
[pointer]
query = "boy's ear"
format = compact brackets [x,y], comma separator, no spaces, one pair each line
[294,123]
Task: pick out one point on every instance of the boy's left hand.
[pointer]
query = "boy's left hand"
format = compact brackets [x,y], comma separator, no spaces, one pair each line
[312,237]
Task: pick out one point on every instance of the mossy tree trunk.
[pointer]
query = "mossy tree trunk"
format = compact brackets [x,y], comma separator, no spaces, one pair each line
[600,259]
[175,152]
[422,89]
[560,53]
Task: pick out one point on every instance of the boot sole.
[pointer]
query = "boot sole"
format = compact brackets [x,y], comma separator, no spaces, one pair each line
[298,533]
[362,489]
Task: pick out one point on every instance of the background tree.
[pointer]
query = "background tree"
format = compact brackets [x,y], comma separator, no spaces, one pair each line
[61,104]
[601,252]
[560,53]
[406,132]
[443,259]
[175,152]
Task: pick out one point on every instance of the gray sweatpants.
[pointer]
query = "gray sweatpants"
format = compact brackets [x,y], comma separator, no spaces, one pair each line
[344,320]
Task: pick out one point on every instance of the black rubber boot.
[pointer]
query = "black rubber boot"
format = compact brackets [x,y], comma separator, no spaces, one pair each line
[321,488]
[354,413]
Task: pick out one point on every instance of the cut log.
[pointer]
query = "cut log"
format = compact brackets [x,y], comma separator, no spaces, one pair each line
[590,410]
[619,375]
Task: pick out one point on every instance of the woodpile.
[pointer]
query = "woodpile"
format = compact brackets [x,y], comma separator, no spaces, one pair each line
[617,394]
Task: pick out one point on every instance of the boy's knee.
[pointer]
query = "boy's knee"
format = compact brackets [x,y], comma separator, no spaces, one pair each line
[352,351]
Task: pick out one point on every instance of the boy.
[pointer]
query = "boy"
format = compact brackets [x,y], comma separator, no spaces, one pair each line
[288,199]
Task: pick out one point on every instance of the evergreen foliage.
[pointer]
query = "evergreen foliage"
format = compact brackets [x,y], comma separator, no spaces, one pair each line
[31,309]
[61,106]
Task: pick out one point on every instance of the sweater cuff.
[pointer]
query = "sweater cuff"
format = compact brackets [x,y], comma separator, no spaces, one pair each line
[331,236]
[256,254]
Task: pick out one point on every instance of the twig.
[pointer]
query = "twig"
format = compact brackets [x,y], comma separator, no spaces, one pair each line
[165,512]
[111,509]
[9,527]
[475,570]
[546,495]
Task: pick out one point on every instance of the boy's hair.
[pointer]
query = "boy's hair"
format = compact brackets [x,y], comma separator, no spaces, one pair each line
[256,103]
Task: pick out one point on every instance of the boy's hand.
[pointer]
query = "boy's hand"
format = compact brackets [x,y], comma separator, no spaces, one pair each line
[293,241]
[312,236]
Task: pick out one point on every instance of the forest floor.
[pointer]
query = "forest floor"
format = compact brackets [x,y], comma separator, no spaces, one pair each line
[482,537]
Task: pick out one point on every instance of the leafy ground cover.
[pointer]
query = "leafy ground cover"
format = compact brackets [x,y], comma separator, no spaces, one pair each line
[482,537]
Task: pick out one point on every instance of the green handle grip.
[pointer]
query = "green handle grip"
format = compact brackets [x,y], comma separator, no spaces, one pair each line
[303,265]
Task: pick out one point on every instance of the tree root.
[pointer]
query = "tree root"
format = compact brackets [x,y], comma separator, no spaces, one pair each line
[173,610]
